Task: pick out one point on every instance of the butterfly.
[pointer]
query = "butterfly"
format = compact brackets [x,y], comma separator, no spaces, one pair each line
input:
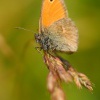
[57,32]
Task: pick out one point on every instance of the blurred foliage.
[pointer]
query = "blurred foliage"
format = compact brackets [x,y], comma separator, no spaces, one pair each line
[24,77]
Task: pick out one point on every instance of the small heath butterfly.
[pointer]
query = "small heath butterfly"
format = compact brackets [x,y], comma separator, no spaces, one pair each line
[56,30]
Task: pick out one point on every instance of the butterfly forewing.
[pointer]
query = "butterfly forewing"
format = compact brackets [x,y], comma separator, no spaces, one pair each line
[52,10]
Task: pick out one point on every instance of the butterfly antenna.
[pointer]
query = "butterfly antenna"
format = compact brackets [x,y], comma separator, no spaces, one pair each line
[21,28]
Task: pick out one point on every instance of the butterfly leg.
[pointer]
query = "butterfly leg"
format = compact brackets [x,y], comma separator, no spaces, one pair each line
[39,49]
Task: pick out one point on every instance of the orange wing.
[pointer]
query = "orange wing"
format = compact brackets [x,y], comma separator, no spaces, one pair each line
[52,10]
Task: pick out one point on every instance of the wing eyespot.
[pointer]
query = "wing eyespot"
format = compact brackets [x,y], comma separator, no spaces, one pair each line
[51,0]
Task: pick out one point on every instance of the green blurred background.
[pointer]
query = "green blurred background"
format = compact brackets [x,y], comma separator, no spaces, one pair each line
[22,70]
